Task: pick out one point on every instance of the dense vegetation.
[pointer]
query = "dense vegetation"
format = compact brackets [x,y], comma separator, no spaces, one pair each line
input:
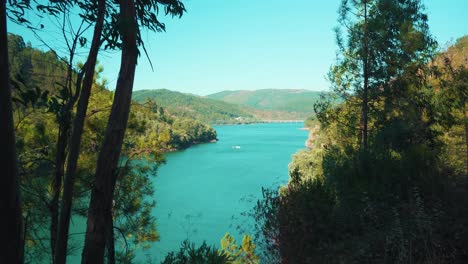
[385,177]
[229,253]
[195,107]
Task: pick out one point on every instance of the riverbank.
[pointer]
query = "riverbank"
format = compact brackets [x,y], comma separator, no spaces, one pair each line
[259,122]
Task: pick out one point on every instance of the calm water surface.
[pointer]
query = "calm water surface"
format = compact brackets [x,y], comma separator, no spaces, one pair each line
[201,192]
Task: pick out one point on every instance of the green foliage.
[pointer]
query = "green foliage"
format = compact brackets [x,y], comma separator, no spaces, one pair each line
[229,253]
[451,81]
[242,254]
[190,254]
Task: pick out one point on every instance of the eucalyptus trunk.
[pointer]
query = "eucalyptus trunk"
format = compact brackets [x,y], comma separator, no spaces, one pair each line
[60,157]
[12,248]
[75,141]
[100,207]
[64,121]
[465,119]
[365,92]
[110,240]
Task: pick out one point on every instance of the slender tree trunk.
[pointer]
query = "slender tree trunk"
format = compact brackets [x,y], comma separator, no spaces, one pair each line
[365,94]
[57,180]
[11,227]
[75,142]
[64,121]
[465,120]
[365,114]
[106,169]
[110,243]
[110,240]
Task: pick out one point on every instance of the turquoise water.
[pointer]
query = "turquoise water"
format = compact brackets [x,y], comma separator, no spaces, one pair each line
[201,192]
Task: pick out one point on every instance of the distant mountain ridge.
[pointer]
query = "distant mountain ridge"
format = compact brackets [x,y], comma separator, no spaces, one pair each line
[284,100]
[197,107]
[230,107]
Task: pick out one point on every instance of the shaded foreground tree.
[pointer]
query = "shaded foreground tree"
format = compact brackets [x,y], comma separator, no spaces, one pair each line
[62,106]
[75,141]
[100,208]
[10,203]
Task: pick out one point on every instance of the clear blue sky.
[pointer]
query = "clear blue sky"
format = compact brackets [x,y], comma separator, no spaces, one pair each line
[244,44]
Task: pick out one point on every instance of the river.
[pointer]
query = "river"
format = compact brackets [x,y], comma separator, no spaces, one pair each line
[201,192]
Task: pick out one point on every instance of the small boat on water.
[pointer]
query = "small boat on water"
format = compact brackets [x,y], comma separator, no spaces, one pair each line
[236,147]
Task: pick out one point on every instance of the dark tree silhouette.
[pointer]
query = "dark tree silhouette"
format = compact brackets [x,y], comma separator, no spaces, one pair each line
[10,204]
[102,194]
[75,141]
[103,188]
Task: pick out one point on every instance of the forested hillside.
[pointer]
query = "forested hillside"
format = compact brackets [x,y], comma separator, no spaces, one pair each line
[31,67]
[196,107]
[284,100]
[231,107]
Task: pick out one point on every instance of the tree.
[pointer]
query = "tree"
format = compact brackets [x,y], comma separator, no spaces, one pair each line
[77,131]
[62,106]
[10,203]
[385,40]
[242,254]
[452,81]
[353,70]
[100,209]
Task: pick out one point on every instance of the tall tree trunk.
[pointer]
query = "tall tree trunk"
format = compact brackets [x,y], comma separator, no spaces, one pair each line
[64,121]
[10,205]
[110,240]
[365,94]
[106,169]
[57,180]
[465,120]
[75,142]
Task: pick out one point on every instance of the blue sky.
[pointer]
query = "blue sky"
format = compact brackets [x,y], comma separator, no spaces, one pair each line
[243,44]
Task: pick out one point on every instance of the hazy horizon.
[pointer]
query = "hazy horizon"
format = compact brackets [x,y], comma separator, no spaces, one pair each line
[229,90]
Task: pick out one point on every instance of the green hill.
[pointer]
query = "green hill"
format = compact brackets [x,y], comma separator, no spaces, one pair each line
[200,108]
[283,100]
